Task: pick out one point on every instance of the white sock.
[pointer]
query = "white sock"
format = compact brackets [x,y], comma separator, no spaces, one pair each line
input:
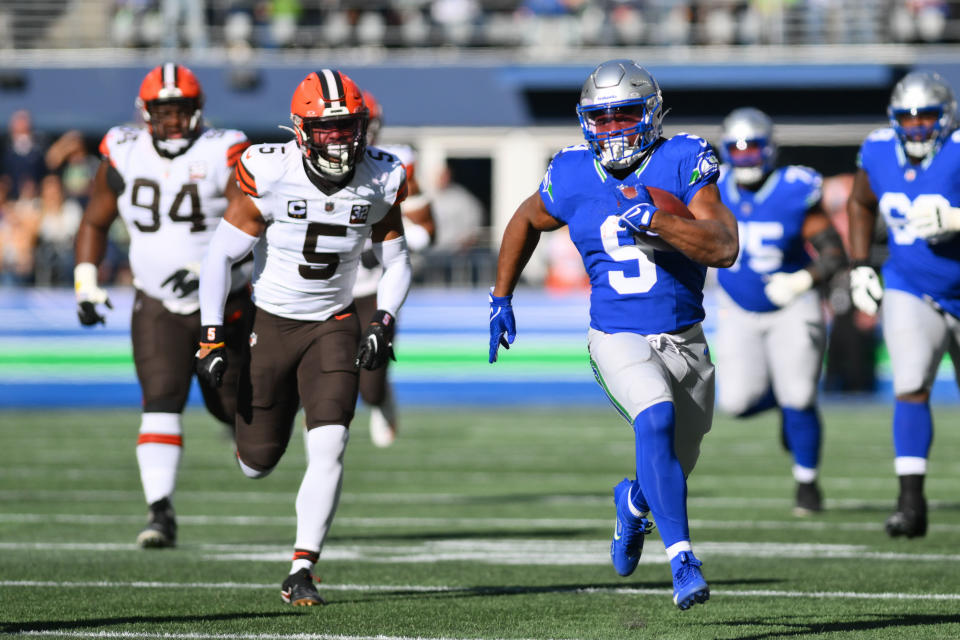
[158,454]
[320,490]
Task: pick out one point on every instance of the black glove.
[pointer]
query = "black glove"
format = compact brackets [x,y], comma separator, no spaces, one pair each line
[87,312]
[212,356]
[377,342]
[183,282]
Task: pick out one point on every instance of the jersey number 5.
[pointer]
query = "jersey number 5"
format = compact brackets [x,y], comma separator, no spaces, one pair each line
[619,280]
[329,261]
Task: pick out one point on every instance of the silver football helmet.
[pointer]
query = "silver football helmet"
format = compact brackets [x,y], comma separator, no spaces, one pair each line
[747,144]
[920,94]
[621,112]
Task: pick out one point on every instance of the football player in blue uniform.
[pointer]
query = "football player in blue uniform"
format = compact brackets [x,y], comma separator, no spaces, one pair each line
[647,267]
[771,332]
[910,173]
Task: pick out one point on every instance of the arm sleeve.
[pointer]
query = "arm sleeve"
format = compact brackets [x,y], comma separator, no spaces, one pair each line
[227,246]
[395,281]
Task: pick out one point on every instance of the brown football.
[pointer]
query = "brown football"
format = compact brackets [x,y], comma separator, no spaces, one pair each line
[668,202]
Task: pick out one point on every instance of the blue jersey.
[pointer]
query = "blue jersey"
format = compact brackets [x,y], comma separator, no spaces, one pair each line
[925,269]
[770,222]
[640,286]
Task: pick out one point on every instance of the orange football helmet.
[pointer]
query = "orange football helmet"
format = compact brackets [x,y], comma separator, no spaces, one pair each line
[376,117]
[171,103]
[330,122]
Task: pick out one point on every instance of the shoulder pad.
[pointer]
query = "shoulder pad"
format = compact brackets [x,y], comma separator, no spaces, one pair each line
[258,167]
[879,135]
[118,136]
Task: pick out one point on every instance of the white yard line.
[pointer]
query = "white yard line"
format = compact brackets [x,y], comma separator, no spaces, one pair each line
[394,522]
[274,497]
[492,589]
[215,636]
[502,552]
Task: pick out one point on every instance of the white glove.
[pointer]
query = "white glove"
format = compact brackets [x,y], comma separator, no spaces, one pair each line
[931,216]
[865,289]
[782,288]
[89,294]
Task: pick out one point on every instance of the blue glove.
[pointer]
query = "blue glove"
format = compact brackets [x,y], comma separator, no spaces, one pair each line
[639,217]
[501,322]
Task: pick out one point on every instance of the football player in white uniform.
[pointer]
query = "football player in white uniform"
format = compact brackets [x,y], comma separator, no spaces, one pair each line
[419,227]
[170,183]
[771,332]
[311,205]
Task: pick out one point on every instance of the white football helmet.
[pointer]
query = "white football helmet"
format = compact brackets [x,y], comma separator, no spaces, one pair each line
[747,145]
[922,93]
[621,112]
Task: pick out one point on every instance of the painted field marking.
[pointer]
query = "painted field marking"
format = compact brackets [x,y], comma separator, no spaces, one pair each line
[493,590]
[427,522]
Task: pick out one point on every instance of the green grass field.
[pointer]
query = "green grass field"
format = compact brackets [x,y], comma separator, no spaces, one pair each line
[475,524]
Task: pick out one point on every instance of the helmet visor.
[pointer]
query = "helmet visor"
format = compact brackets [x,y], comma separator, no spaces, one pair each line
[615,120]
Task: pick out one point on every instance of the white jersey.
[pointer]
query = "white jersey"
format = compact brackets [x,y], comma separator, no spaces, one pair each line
[171,207]
[369,277]
[306,262]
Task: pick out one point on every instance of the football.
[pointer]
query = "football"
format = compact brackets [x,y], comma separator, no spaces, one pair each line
[668,202]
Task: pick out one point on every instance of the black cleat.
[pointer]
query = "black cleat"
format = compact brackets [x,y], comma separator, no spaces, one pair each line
[809,499]
[298,590]
[910,518]
[161,529]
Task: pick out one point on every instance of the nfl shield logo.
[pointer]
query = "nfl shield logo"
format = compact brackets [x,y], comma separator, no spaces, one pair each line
[328,207]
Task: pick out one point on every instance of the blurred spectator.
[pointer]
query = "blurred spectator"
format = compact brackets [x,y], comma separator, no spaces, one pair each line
[193,13]
[69,158]
[59,219]
[565,270]
[18,237]
[23,158]
[458,215]
[136,23]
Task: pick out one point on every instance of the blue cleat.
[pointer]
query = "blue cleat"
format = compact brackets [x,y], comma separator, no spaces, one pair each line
[689,587]
[627,544]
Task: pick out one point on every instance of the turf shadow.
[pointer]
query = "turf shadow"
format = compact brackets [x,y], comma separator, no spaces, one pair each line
[878,621]
[60,625]
[464,535]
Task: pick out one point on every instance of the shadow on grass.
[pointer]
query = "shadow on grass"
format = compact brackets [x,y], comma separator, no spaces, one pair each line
[508,590]
[876,622]
[62,625]
[466,535]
